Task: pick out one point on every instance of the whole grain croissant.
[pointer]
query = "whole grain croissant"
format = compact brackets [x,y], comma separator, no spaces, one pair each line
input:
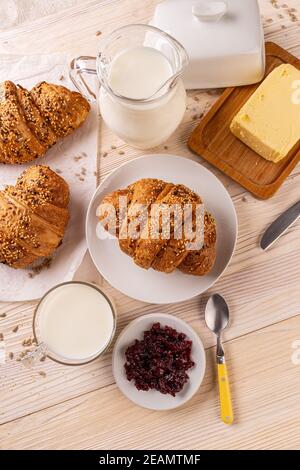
[160,254]
[33,216]
[32,121]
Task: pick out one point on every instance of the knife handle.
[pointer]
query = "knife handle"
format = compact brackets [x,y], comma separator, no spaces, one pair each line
[225,395]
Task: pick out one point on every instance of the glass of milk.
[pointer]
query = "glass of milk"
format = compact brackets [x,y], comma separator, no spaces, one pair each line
[74,323]
[142,97]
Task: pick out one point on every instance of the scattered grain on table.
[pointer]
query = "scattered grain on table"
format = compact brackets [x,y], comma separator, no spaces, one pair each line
[22,354]
[27,342]
[293,18]
[45,264]
[274,3]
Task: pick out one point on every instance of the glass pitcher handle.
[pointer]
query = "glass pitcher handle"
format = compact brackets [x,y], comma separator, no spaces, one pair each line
[78,67]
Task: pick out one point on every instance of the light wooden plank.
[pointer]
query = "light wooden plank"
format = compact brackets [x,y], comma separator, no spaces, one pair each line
[75,30]
[265,385]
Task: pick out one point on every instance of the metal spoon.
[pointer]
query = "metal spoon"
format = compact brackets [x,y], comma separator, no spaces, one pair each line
[217,318]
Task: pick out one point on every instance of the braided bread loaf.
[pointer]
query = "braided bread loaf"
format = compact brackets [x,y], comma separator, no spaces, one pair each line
[33,216]
[161,254]
[32,121]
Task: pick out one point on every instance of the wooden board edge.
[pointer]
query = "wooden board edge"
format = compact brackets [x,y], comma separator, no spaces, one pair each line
[259,191]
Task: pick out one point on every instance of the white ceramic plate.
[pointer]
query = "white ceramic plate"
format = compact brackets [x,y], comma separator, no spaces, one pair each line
[149,285]
[153,399]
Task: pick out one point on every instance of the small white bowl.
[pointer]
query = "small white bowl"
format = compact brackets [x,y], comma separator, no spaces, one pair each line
[153,399]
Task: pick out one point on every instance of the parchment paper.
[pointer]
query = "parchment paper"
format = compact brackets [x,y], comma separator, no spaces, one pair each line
[74,158]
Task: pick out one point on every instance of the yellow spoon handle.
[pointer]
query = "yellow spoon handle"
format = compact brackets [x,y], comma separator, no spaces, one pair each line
[225,396]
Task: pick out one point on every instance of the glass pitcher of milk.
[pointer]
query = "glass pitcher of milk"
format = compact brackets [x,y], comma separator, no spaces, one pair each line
[142,97]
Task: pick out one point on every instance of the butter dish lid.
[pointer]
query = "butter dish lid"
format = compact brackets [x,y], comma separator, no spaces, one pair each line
[224,40]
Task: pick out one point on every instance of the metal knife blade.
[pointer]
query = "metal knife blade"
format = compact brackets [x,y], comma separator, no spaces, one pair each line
[280,225]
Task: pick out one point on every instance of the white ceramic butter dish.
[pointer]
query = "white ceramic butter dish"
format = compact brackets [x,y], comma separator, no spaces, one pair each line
[224,40]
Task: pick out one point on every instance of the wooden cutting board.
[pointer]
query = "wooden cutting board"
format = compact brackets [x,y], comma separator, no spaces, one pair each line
[213,140]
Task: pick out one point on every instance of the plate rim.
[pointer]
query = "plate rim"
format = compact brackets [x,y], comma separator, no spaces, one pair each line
[116,170]
[180,322]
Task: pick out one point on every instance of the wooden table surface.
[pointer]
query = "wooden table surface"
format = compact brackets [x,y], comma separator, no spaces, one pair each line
[60,407]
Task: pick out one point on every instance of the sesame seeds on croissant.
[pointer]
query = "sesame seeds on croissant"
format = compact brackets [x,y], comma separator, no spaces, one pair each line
[32,121]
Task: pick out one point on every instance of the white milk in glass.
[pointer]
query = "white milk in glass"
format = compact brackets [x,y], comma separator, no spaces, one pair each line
[76,321]
[141,74]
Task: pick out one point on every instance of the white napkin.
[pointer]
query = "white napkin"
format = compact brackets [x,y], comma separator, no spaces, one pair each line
[74,158]
[16,12]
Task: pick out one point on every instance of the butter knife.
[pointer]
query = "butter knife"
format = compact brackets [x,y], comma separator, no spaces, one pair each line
[280,226]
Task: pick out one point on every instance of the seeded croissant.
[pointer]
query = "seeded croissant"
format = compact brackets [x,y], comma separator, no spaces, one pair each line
[33,216]
[160,253]
[32,121]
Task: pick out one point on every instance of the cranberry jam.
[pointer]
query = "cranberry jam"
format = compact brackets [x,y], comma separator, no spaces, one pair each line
[159,361]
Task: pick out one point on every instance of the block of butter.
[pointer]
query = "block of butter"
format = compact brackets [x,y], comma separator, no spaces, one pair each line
[269,122]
